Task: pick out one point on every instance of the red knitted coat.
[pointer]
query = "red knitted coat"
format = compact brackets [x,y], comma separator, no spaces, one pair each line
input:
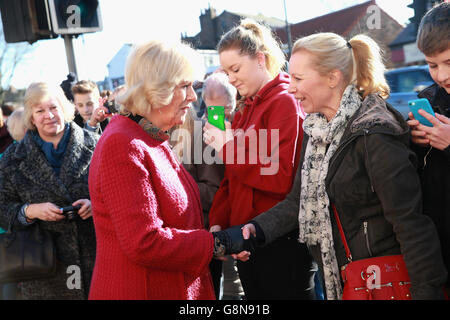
[148,222]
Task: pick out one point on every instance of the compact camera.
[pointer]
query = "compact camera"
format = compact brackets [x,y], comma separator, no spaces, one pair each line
[71,211]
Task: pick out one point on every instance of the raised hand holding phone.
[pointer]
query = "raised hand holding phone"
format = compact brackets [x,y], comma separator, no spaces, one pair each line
[421,104]
[216,116]
[215,137]
[437,135]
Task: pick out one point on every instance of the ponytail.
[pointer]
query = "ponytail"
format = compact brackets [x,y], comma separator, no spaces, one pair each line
[359,60]
[369,67]
[250,38]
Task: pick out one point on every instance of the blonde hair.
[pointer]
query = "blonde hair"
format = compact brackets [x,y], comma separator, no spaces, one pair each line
[16,125]
[153,70]
[359,60]
[40,92]
[86,86]
[250,38]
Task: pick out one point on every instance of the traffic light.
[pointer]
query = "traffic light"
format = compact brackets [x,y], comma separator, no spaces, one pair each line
[75,16]
[25,20]
[420,7]
[32,20]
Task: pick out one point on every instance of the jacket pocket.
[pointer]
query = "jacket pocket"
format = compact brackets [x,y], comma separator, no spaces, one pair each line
[366,236]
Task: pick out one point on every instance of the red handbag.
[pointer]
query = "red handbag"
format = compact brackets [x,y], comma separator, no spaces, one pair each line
[379,278]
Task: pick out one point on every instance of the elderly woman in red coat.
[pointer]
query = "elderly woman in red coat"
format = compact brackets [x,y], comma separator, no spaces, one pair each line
[146,207]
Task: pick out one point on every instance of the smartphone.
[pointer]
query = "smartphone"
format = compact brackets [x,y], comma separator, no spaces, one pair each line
[216,116]
[424,104]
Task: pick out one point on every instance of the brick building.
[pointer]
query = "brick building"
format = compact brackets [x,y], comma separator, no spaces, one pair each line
[367,18]
[213,26]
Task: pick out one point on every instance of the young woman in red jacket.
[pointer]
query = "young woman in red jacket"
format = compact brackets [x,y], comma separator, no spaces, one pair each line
[261,155]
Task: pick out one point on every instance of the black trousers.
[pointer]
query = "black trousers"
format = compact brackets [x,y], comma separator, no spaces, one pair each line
[282,270]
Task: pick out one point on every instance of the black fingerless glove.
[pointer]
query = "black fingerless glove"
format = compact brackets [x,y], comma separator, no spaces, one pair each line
[231,241]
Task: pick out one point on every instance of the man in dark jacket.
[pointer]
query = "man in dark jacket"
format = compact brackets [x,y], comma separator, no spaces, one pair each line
[67,85]
[432,144]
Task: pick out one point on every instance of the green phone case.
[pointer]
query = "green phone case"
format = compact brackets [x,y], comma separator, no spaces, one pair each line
[216,116]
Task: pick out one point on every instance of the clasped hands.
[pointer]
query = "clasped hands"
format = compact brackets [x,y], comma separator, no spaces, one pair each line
[238,241]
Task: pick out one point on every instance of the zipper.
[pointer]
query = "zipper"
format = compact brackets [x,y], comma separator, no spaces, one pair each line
[366,235]
[366,132]
[389,284]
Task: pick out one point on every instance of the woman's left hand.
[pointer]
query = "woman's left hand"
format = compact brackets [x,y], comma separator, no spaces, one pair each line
[215,137]
[85,211]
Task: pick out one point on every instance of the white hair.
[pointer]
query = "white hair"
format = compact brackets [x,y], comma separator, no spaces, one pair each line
[217,84]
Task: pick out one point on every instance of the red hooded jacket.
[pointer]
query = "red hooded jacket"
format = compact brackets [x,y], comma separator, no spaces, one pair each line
[253,186]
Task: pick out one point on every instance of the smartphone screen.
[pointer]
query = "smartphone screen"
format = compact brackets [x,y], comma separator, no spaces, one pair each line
[216,116]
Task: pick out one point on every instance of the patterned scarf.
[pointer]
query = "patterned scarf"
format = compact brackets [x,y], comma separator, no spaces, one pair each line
[314,215]
[54,156]
[152,130]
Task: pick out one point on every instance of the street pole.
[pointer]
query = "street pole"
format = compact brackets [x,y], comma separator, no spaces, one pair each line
[70,53]
[288,30]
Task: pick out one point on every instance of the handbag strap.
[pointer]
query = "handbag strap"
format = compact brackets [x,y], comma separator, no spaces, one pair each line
[341,231]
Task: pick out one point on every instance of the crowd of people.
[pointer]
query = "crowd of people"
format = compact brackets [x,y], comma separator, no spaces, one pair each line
[166,205]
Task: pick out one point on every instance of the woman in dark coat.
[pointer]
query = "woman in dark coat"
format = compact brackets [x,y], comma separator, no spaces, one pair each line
[44,172]
[355,155]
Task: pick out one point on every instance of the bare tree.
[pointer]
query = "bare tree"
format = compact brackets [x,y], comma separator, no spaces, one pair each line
[11,54]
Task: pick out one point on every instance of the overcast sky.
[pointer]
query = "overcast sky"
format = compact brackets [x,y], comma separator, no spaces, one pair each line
[140,20]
